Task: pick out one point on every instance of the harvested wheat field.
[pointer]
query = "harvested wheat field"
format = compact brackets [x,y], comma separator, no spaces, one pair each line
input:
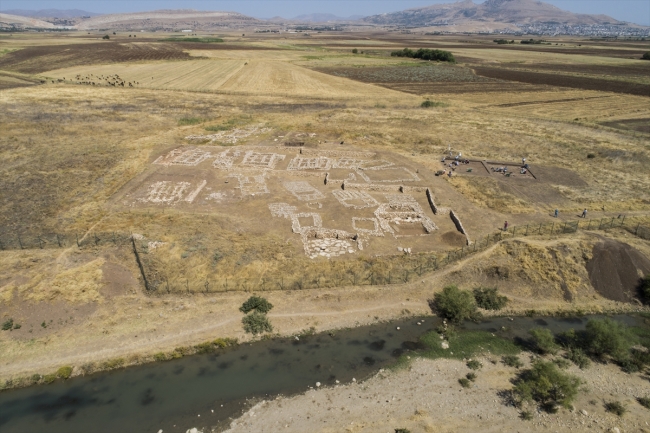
[149,188]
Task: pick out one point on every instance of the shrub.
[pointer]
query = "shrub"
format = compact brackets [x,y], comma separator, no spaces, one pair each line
[225,342]
[465,383]
[160,356]
[402,430]
[615,407]
[49,378]
[256,323]
[184,121]
[591,155]
[453,304]
[562,363]
[646,56]
[607,338]
[8,324]
[526,415]
[474,364]
[205,347]
[256,303]
[545,384]
[355,51]
[489,299]
[644,401]
[512,361]
[543,341]
[64,372]
[106,37]
[113,363]
[428,104]
[35,378]
[471,376]
[578,357]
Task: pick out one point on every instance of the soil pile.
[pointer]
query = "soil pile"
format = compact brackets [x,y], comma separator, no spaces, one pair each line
[616,269]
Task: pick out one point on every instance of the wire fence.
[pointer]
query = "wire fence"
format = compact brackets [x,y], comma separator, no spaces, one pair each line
[385,270]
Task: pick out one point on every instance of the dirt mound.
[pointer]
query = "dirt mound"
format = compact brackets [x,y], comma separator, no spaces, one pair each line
[615,270]
[454,239]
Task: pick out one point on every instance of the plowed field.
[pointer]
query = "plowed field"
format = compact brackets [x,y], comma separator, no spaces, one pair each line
[34,60]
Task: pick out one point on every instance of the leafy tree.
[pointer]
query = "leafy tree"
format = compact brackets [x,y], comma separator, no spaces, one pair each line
[646,56]
[256,323]
[453,304]
[256,303]
[607,338]
[489,299]
[106,37]
[543,341]
[545,384]
[355,51]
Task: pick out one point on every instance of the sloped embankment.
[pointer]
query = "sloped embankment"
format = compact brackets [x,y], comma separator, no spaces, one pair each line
[615,270]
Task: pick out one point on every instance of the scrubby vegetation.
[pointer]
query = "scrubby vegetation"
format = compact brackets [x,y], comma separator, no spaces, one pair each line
[465,383]
[532,41]
[256,323]
[546,385]
[429,104]
[466,344]
[489,299]
[184,121]
[426,54]
[644,401]
[615,407]
[512,361]
[64,372]
[474,364]
[504,41]
[543,341]
[646,56]
[453,304]
[256,303]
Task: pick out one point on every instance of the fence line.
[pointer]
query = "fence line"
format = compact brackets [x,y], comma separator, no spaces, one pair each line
[402,269]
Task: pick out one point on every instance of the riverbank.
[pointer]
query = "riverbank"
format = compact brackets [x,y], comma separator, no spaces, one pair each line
[426,397]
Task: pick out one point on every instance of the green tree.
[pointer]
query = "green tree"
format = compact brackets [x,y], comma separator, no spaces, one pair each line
[453,304]
[646,56]
[106,37]
[545,384]
[489,299]
[256,303]
[543,341]
[608,338]
[354,51]
[256,323]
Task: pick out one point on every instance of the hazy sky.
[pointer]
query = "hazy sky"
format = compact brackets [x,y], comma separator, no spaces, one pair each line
[636,11]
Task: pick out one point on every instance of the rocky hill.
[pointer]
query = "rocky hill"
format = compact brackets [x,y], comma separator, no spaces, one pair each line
[166,20]
[19,22]
[504,12]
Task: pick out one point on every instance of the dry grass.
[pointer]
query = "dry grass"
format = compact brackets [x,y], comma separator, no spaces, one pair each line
[485,193]
[76,285]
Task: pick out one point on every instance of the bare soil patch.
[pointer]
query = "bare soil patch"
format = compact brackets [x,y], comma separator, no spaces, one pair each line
[638,125]
[34,60]
[585,83]
[616,269]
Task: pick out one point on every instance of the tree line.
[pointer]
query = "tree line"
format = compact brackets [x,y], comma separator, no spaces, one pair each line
[425,54]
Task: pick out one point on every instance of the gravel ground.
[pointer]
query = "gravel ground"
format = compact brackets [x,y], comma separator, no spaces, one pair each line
[428,398]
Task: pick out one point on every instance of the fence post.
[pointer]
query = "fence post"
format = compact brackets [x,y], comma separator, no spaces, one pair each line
[552,227]
[612,224]
[526,230]
[79,246]
[2,246]
[487,242]
[636,232]
[540,229]
[40,242]
[514,231]
[58,241]
[96,239]
[600,224]
[114,241]
[589,226]
[137,259]
[20,242]
[623,221]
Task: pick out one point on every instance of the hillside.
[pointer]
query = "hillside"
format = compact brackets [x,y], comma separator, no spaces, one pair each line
[166,20]
[15,21]
[51,13]
[322,18]
[492,11]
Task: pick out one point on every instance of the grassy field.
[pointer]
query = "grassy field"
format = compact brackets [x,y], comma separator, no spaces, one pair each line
[70,152]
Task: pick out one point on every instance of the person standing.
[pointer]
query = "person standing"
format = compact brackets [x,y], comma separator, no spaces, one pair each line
[556,212]
[505,226]
[584,213]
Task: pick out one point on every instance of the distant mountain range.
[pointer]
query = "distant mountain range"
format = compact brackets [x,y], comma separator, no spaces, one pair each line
[461,16]
[491,11]
[324,18]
